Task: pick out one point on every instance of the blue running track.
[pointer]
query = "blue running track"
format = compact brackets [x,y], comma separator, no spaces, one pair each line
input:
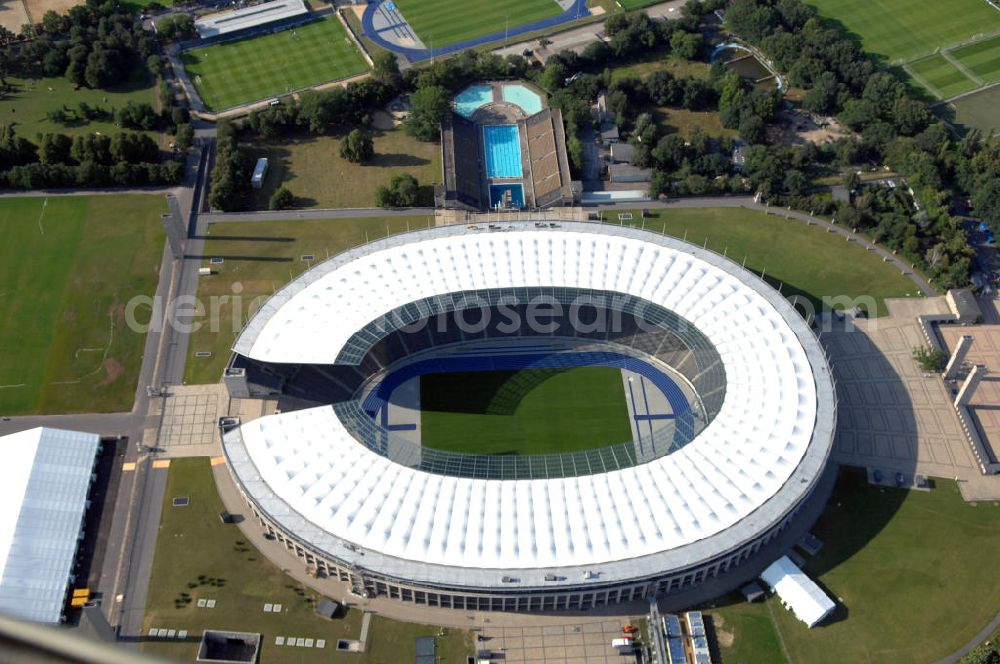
[577,10]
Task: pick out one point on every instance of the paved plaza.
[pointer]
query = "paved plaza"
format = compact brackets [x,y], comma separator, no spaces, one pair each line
[892,415]
[589,643]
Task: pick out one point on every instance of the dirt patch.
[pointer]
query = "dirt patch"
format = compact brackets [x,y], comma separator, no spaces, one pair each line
[796,127]
[116,312]
[113,370]
[383,121]
[724,636]
[37,8]
[13,15]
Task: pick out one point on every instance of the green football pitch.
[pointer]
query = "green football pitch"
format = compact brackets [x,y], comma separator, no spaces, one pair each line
[902,30]
[983,58]
[942,75]
[255,68]
[69,265]
[533,411]
[442,22]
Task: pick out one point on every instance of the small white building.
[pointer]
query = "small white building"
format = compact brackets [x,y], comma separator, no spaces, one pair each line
[259,173]
[798,592]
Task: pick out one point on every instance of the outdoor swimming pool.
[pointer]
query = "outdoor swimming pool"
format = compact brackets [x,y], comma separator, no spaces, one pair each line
[516,194]
[471,98]
[503,151]
[524,97]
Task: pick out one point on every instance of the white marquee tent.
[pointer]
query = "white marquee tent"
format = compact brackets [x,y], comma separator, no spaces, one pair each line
[797,591]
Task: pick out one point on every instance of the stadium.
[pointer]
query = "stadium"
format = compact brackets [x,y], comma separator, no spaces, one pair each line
[730,401]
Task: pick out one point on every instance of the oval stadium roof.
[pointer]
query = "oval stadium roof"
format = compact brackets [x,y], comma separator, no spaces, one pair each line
[750,466]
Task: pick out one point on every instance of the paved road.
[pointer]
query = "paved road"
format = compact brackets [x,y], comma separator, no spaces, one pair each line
[296,215]
[975,641]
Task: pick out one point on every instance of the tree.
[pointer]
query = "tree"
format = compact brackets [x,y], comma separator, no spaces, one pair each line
[386,68]
[986,201]
[185,135]
[357,146]
[403,191]
[55,148]
[281,199]
[930,359]
[428,107]
[982,654]
[851,180]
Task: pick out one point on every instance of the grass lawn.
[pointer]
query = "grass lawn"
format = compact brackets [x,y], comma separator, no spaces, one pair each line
[942,75]
[68,267]
[684,121]
[977,111]
[442,22]
[259,259]
[908,565]
[805,259]
[745,632]
[656,60]
[198,557]
[238,72]
[314,171]
[29,103]
[533,411]
[904,29]
[983,58]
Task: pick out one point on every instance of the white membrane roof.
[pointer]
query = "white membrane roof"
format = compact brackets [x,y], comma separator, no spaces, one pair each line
[44,480]
[727,485]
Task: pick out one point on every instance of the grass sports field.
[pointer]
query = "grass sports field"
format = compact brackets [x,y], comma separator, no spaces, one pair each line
[901,30]
[553,411]
[442,22]
[68,267]
[983,58]
[884,549]
[941,75]
[238,72]
[976,111]
[198,557]
[806,260]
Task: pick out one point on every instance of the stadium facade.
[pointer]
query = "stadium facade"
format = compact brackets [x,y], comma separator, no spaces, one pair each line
[358,501]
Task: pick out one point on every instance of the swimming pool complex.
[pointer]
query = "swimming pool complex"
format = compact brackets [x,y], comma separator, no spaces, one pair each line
[503,151]
[471,98]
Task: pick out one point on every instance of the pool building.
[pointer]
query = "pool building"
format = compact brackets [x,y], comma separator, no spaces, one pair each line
[503,148]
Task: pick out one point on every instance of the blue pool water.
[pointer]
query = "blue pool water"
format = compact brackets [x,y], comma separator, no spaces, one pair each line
[516,194]
[471,98]
[523,97]
[503,151]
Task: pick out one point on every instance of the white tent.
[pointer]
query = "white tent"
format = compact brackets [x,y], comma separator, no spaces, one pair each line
[44,480]
[797,591]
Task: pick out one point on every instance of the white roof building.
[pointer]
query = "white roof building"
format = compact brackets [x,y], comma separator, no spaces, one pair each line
[750,466]
[245,18]
[798,592]
[44,480]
